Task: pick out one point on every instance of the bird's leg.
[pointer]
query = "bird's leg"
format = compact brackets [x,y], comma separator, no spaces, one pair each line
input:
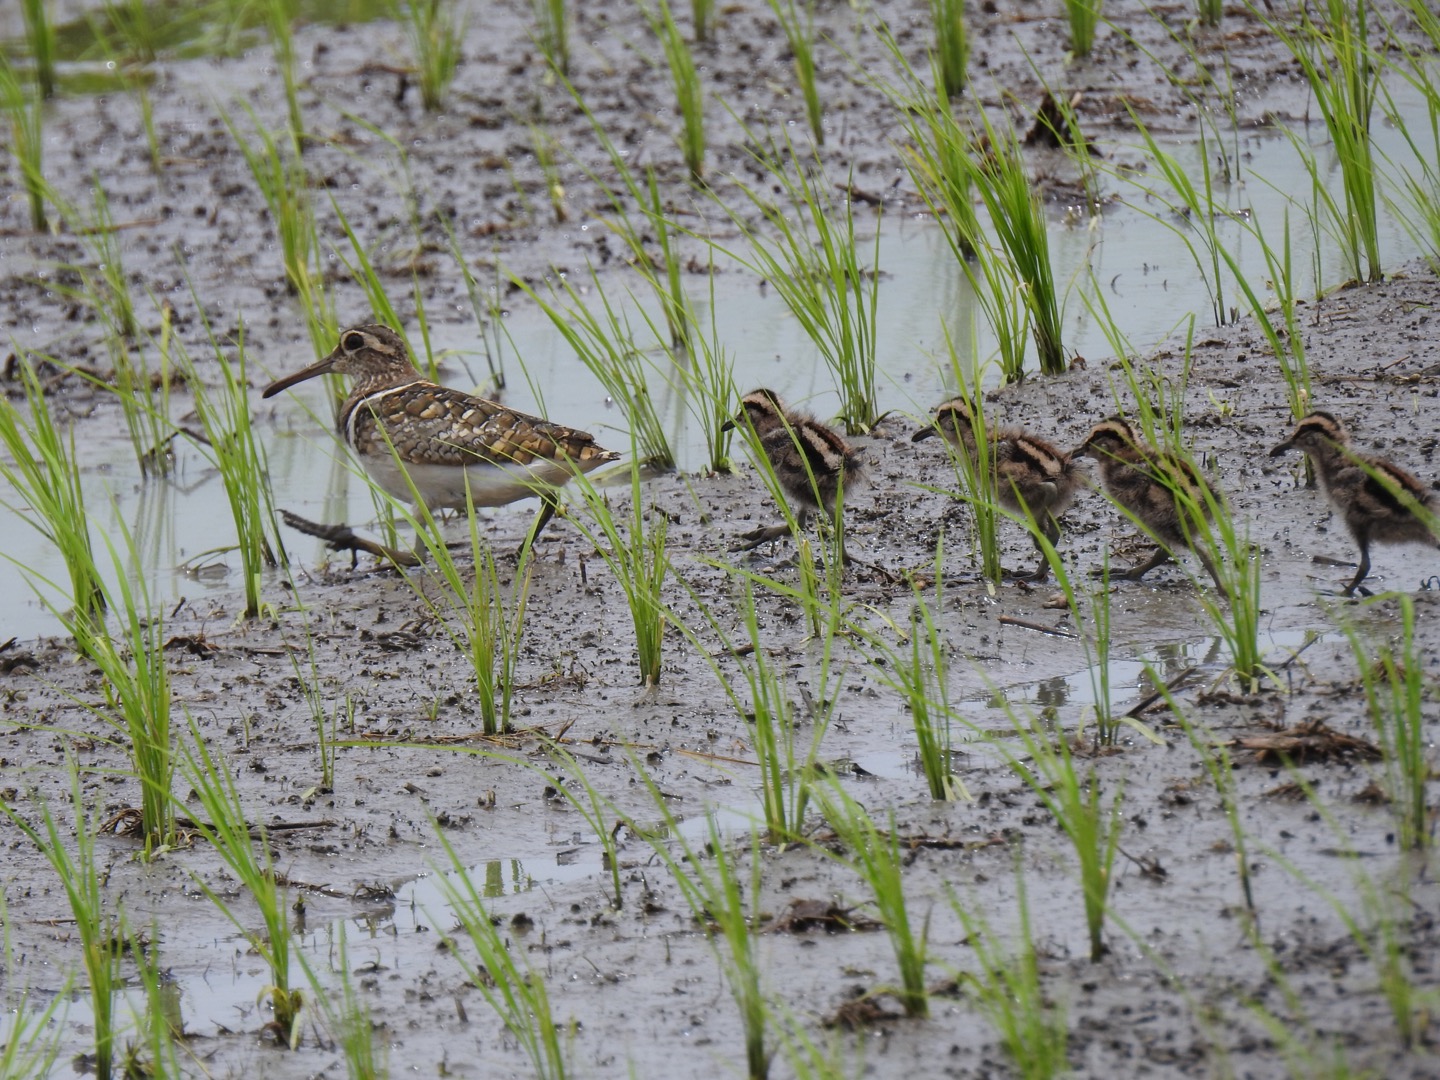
[764,535]
[549,503]
[1135,573]
[1209,564]
[1363,570]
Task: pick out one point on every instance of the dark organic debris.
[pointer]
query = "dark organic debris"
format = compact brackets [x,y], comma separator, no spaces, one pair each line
[1310,741]
[805,915]
[861,1011]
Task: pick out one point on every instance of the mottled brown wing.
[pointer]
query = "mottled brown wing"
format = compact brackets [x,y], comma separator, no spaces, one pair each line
[441,426]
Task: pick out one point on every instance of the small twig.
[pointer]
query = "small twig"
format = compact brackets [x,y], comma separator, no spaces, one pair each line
[1149,699]
[1053,631]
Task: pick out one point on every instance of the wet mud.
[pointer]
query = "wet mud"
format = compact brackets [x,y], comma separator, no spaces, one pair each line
[1176,994]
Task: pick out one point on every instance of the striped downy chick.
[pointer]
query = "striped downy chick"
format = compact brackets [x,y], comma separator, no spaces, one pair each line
[812,462]
[1380,502]
[1163,492]
[1032,476]
[416,437]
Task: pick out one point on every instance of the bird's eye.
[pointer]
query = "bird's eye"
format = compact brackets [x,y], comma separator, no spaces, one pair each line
[353,341]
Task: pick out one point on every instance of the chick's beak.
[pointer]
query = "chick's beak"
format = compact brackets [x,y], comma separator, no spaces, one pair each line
[1282,448]
[320,367]
[924,433]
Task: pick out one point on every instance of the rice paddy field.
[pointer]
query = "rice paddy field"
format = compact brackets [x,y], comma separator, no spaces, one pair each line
[637,802]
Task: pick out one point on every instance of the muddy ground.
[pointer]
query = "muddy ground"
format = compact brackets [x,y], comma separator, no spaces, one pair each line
[1178,992]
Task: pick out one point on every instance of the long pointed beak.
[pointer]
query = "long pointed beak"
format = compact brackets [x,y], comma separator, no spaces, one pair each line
[925,433]
[320,367]
[729,425]
[1082,450]
[1282,448]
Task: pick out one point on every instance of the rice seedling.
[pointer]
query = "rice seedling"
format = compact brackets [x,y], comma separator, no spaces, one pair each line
[837,1059]
[96,930]
[213,788]
[32,1038]
[638,559]
[491,626]
[543,143]
[1078,807]
[1382,930]
[1009,991]
[45,473]
[807,249]
[552,34]
[951,56]
[875,855]
[1417,211]
[1392,671]
[162,1025]
[761,697]
[436,32]
[111,298]
[799,33]
[1210,11]
[1289,346]
[1083,16]
[238,454]
[1017,218]
[1339,63]
[1215,757]
[605,344]
[135,28]
[599,813]
[517,994]
[665,279]
[714,890]
[1196,210]
[936,155]
[40,35]
[382,309]
[706,378]
[348,1016]
[279,15]
[689,92]
[285,186]
[921,678]
[489,315]
[702,15]
[27,143]
[137,689]
[975,473]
